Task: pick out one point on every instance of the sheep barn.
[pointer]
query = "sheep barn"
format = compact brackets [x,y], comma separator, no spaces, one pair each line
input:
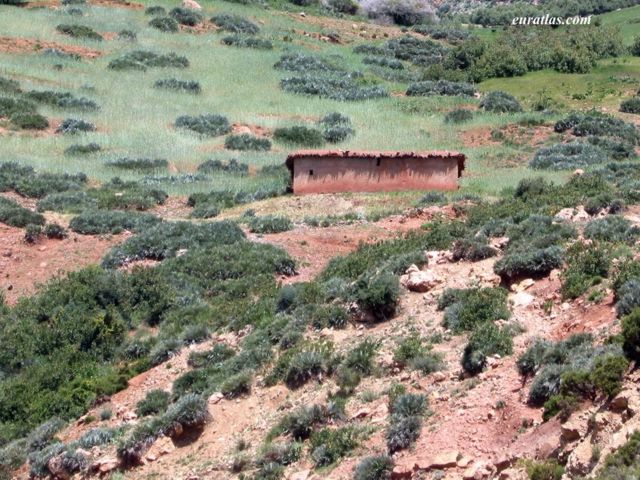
[334,171]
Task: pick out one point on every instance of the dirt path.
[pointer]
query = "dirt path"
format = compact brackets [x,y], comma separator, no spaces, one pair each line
[29,45]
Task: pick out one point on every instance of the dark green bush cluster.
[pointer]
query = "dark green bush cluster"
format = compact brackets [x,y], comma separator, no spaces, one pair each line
[405,421]
[61,99]
[631,105]
[302,363]
[8,85]
[302,62]
[28,183]
[164,240]
[614,147]
[188,86]
[154,402]
[186,16]
[208,125]
[385,62]
[246,141]
[583,124]
[235,24]
[143,59]
[331,444]
[17,216]
[612,228]
[82,149]
[412,352]
[139,164]
[472,248]
[440,87]
[500,102]
[336,127]
[247,42]
[155,10]
[465,309]
[214,166]
[79,31]
[623,463]
[409,48]
[487,339]
[165,24]
[449,33]
[22,114]
[567,156]
[374,468]
[270,224]
[348,7]
[587,265]
[97,222]
[459,115]
[72,126]
[378,294]
[336,87]
[299,135]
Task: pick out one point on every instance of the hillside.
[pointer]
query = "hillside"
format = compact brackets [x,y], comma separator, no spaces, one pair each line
[169,309]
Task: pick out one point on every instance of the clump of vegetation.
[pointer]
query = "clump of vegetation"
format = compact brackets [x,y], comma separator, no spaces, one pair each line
[459,115]
[404,12]
[246,141]
[336,127]
[247,42]
[139,164]
[155,402]
[406,421]
[465,309]
[235,24]
[548,470]
[208,125]
[500,102]
[72,126]
[61,100]
[186,16]
[155,10]
[582,124]
[270,224]
[612,228]
[374,468]
[29,121]
[78,149]
[143,59]
[568,156]
[486,340]
[164,24]
[440,87]
[299,135]
[378,294]
[330,445]
[79,31]
[188,86]
[343,87]
[233,167]
[587,266]
[631,105]
[98,222]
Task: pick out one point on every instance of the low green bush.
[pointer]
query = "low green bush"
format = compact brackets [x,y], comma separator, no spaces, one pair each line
[55,231]
[612,228]
[302,62]
[567,156]
[614,148]
[247,42]
[79,31]
[165,24]
[459,115]
[440,87]
[284,453]
[143,59]
[82,149]
[361,357]
[127,35]
[378,294]
[631,334]
[374,468]
[188,86]
[587,264]
[473,249]
[11,106]
[98,222]
[631,105]
[628,296]
[344,88]
[330,445]
[209,358]
[8,85]
[61,100]
[208,125]
[402,432]
[71,126]
[237,385]
[233,167]
[246,141]
[547,470]
[96,437]
[139,164]
[299,135]
[336,127]
[155,402]
[500,102]
[486,340]
[186,16]
[190,411]
[235,24]
[270,224]
[584,124]
[384,62]
[29,121]
[533,263]
[464,310]
[155,10]
[15,215]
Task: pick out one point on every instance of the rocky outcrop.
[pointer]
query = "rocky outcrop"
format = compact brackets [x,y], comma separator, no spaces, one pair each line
[417,280]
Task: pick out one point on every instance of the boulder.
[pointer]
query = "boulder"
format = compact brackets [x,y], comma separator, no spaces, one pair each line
[522,299]
[301,475]
[57,468]
[579,462]
[573,429]
[105,465]
[215,398]
[402,471]
[192,4]
[440,461]
[417,280]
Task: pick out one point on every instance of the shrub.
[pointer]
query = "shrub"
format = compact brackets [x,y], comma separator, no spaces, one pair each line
[237,385]
[190,411]
[186,16]
[628,297]
[378,294]
[567,156]
[631,105]
[349,7]
[304,366]
[465,309]
[409,348]
[440,87]
[409,405]
[143,59]
[532,263]
[61,100]
[459,115]
[336,87]
[583,124]
[299,135]
[329,445]
[500,102]
[141,164]
[188,86]
[616,149]
[96,437]
[300,423]
[165,24]
[374,468]
[631,334]
[207,125]
[246,141]
[403,12]
[155,10]
[77,149]
[586,265]
[235,24]
[29,121]
[247,42]
[79,31]
[218,354]
[336,127]
[155,402]
[53,230]
[280,453]
[612,228]
[386,62]
[548,470]
[486,339]
[270,224]
[128,35]
[608,373]
[98,222]
[402,432]
[10,86]
[301,62]
[72,126]
[360,358]
[473,249]
[15,215]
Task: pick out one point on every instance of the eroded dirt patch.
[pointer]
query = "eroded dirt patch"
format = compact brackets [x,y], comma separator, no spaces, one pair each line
[29,45]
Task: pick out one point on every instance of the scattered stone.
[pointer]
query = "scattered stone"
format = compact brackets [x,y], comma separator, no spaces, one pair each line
[439,377]
[301,475]
[440,461]
[573,429]
[522,299]
[215,398]
[417,280]
[362,413]
[192,4]
[105,465]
